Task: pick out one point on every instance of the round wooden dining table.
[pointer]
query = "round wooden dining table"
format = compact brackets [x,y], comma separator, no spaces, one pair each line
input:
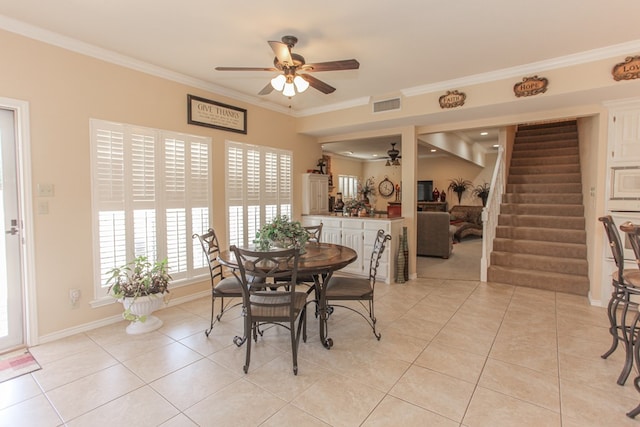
[319,260]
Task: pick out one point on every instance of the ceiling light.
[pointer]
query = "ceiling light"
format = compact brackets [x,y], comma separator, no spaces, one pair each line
[496,145]
[394,155]
[278,82]
[301,84]
[433,150]
[484,133]
[289,83]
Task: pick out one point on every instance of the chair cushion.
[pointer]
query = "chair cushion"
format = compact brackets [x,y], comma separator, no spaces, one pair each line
[228,285]
[631,277]
[276,307]
[340,287]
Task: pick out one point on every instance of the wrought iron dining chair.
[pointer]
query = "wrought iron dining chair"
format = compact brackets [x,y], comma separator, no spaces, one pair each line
[221,287]
[270,300]
[625,282]
[342,288]
[632,231]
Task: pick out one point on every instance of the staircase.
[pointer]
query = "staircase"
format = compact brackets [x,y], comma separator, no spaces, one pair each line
[540,239]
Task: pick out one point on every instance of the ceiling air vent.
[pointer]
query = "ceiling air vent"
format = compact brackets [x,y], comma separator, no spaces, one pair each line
[386,105]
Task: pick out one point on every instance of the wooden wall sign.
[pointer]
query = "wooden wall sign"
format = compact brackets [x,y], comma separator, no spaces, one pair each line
[530,86]
[452,99]
[627,70]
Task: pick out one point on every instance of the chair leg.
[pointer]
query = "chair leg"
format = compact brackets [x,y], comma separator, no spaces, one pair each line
[248,326]
[373,321]
[213,304]
[628,340]
[613,329]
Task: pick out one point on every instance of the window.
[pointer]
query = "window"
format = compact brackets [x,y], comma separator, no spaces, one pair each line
[151,191]
[348,186]
[259,187]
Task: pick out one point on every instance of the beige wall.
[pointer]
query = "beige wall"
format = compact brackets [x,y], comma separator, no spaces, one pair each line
[64,91]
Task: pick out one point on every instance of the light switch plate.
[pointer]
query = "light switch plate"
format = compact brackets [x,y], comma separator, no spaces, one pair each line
[45,190]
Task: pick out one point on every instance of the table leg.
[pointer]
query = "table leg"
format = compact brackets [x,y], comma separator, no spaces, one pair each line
[323,312]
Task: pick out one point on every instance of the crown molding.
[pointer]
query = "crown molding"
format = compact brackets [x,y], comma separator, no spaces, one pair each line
[622,49]
[112,57]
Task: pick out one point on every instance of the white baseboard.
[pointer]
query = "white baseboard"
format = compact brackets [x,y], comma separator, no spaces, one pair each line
[112,319]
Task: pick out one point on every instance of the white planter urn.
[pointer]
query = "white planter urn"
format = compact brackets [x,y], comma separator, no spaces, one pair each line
[142,307]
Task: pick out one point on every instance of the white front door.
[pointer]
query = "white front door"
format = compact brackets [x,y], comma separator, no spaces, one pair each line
[11,290]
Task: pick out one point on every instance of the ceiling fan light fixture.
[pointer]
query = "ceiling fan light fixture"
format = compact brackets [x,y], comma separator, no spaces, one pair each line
[301,84]
[278,82]
[289,89]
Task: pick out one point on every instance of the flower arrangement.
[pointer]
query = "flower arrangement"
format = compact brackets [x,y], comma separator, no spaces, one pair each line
[368,187]
[281,231]
[459,186]
[354,205]
[482,192]
[138,278]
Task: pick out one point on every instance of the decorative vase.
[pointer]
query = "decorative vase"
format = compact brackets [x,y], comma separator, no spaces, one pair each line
[400,261]
[435,194]
[405,249]
[142,307]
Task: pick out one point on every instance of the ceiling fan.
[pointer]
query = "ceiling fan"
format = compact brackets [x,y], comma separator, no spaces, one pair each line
[290,64]
[394,156]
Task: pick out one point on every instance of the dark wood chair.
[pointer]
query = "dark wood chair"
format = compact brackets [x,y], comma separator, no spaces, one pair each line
[272,299]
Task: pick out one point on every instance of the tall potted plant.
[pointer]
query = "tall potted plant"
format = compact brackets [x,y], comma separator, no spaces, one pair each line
[482,191]
[140,286]
[459,186]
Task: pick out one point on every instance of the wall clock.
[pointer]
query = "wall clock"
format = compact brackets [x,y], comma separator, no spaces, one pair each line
[386,187]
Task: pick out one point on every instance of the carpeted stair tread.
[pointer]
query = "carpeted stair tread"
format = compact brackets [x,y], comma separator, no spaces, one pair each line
[549,178]
[548,144]
[540,240]
[557,126]
[545,188]
[545,160]
[548,152]
[543,199]
[541,263]
[543,221]
[536,247]
[541,233]
[558,282]
[537,209]
[544,169]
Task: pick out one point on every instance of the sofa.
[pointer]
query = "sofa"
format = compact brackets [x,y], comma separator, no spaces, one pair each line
[434,234]
[467,221]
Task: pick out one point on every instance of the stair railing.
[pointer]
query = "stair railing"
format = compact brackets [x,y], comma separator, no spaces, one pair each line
[491,211]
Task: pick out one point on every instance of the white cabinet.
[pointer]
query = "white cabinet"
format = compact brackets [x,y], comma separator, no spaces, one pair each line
[315,194]
[359,234]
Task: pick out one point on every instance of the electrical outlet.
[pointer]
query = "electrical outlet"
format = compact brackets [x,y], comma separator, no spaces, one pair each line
[74,296]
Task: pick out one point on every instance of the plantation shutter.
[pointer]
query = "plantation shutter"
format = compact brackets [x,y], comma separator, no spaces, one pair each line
[258,189]
[151,192]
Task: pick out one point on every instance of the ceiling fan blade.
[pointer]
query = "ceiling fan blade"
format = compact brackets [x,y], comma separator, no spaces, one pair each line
[318,84]
[266,90]
[283,53]
[246,69]
[346,64]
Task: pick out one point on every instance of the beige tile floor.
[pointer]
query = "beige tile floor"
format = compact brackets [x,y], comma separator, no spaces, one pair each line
[452,353]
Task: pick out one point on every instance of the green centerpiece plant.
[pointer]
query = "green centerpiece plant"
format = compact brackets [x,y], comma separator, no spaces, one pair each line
[281,232]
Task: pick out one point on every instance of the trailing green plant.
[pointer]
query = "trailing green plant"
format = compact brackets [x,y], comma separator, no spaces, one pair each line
[138,278]
[482,191]
[281,231]
[459,186]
